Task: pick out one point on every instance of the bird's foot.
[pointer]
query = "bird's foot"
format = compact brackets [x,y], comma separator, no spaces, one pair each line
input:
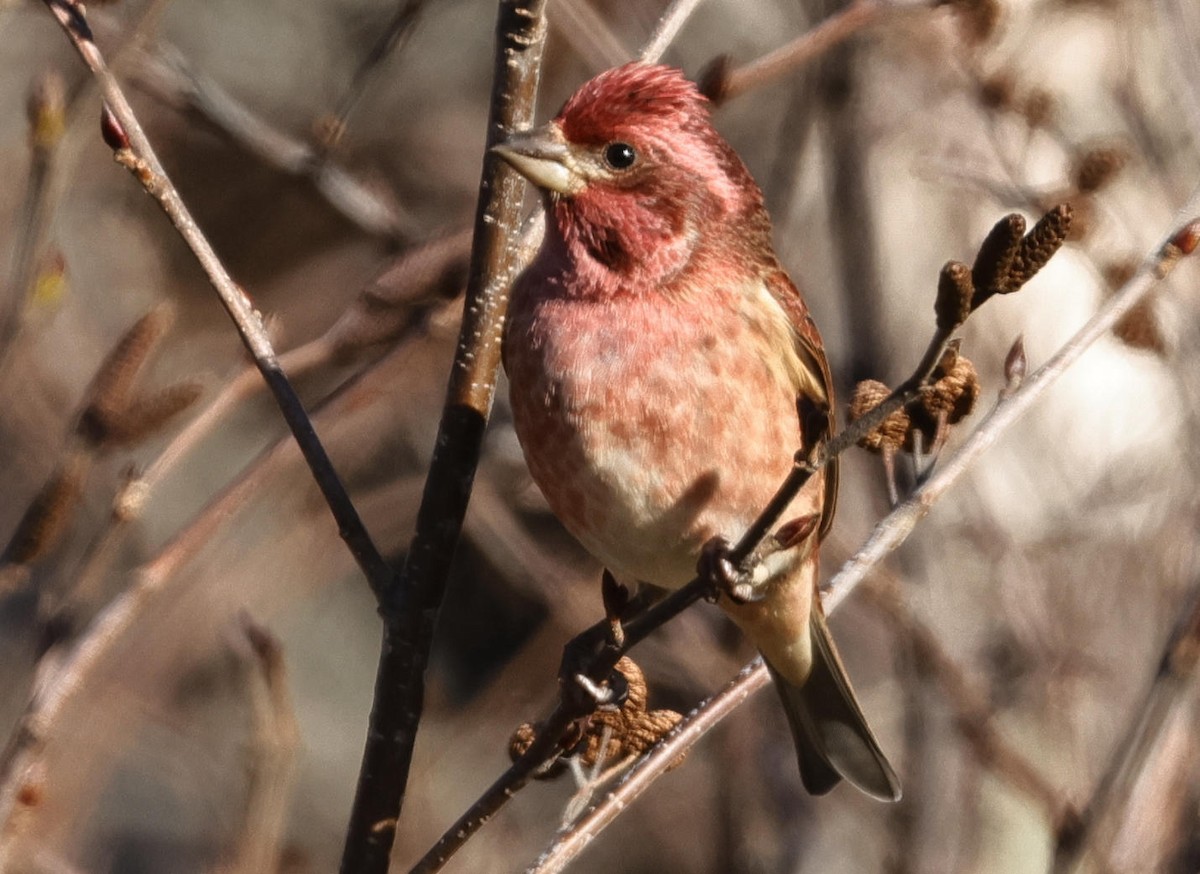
[726,579]
[616,601]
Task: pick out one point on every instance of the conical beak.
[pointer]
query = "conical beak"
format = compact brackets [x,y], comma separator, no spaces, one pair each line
[542,157]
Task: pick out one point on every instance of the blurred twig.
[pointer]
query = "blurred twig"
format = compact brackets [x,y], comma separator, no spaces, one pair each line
[589,34]
[166,74]
[388,309]
[272,758]
[1176,672]
[895,528]
[132,149]
[668,27]
[410,608]
[969,705]
[47,120]
[394,34]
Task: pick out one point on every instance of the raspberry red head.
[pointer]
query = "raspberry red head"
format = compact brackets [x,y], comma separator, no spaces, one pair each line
[637,180]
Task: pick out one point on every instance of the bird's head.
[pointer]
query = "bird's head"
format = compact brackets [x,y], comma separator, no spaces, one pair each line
[635,177]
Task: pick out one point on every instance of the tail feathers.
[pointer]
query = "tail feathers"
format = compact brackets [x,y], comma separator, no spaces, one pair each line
[833,740]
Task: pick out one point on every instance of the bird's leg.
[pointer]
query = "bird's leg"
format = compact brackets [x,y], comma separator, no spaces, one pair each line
[736,583]
[616,600]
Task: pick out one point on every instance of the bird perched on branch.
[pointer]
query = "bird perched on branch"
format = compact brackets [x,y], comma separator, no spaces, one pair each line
[664,371]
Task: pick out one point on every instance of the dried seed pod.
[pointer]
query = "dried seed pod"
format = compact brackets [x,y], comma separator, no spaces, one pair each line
[955,292]
[1117,273]
[1039,246]
[869,394]
[49,512]
[398,297]
[990,275]
[114,380]
[522,739]
[144,416]
[954,392]
[1095,167]
[977,19]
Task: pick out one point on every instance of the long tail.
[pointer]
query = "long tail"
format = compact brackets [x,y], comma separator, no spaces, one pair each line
[831,734]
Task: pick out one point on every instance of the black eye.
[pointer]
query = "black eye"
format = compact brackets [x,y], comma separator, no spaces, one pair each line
[619,156]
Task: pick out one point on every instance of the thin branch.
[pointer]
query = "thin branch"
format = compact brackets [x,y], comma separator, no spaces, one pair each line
[133,150]
[394,34]
[893,530]
[668,27]
[410,609]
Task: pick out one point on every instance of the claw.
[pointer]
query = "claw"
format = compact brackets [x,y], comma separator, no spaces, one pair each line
[715,566]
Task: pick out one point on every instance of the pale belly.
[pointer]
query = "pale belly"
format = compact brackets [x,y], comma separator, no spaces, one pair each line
[650,434]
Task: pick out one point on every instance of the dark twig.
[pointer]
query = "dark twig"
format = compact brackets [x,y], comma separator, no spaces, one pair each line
[410,608]
[132,148]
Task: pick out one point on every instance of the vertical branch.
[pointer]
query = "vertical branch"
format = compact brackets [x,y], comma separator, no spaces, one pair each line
[410,608]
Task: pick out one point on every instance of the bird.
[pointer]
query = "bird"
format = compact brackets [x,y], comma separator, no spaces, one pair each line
[663,372]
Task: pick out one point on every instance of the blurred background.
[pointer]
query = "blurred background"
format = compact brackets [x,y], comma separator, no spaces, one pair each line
[167,545]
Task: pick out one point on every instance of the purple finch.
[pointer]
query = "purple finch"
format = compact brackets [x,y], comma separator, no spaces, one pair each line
[664,370]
